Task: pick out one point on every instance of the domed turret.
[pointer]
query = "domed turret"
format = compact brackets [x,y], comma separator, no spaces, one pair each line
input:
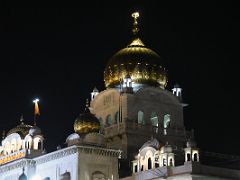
[86,123]
[35,131]
[144,66]
[22,129]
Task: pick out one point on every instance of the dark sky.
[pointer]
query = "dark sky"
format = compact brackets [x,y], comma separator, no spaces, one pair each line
[59,55]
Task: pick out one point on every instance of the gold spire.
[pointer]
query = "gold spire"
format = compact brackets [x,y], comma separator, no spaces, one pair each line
[135,29]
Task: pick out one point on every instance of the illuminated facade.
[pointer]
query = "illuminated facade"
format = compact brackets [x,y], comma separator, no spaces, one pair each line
[85,157]
[133,130]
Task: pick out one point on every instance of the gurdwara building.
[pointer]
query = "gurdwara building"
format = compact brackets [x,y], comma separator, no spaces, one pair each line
[132,130]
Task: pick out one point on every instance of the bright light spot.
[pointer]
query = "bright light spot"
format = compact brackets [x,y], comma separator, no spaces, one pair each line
[36,100]
[36,177]
[135,15]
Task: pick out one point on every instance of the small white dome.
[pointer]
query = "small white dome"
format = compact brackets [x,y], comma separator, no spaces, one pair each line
[35,131]
[94,139]
[151,143]
[73,139]
[191,143]
[166,148]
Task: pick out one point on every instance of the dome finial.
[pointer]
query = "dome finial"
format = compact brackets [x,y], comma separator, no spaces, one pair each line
[135,29]
[22,119]
[87,107]
[3,134]
[87,103]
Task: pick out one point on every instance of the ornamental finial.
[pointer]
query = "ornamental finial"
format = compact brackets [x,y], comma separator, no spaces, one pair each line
[135,29]
[22,119]
[87,103]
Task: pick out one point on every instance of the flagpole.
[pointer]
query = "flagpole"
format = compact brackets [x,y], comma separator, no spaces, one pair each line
[36,110]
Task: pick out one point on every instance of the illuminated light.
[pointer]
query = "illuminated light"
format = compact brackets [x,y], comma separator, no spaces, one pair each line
[36,108]
[36,177]
[135,15]
[36,100]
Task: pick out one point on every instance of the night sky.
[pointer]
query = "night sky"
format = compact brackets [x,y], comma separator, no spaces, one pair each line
[59,55]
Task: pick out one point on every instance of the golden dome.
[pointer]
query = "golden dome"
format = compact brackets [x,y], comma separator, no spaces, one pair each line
[86,123]
[22,129]
[142,64]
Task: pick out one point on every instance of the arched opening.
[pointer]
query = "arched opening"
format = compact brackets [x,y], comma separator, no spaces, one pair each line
[195,158]
[149,163]
[188,157]
[166,123]
[109,120]
[117,117]
[164,162]
[36,143]
[154,119]
[142,168]
[135,168]
[29,142]
[39,145]
[171,162]
[28,145]
[141,117]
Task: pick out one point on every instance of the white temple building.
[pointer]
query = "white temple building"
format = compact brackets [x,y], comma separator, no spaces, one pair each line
[132,130]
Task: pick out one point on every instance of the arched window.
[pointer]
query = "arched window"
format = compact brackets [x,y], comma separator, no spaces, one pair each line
[149,163]
[195,157]
[39,145]
[141,117]
[188,157]
[36,143]
[135,168]
[117,117]
[166,123]
[109,120]
[171,162]
[154,119]
[164,162]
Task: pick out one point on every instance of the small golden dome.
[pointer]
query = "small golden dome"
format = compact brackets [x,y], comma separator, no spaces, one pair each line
[142,64]
[86,123]
[22,129]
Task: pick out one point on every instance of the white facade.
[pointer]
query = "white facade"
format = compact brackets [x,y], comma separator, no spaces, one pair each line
[79,162]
